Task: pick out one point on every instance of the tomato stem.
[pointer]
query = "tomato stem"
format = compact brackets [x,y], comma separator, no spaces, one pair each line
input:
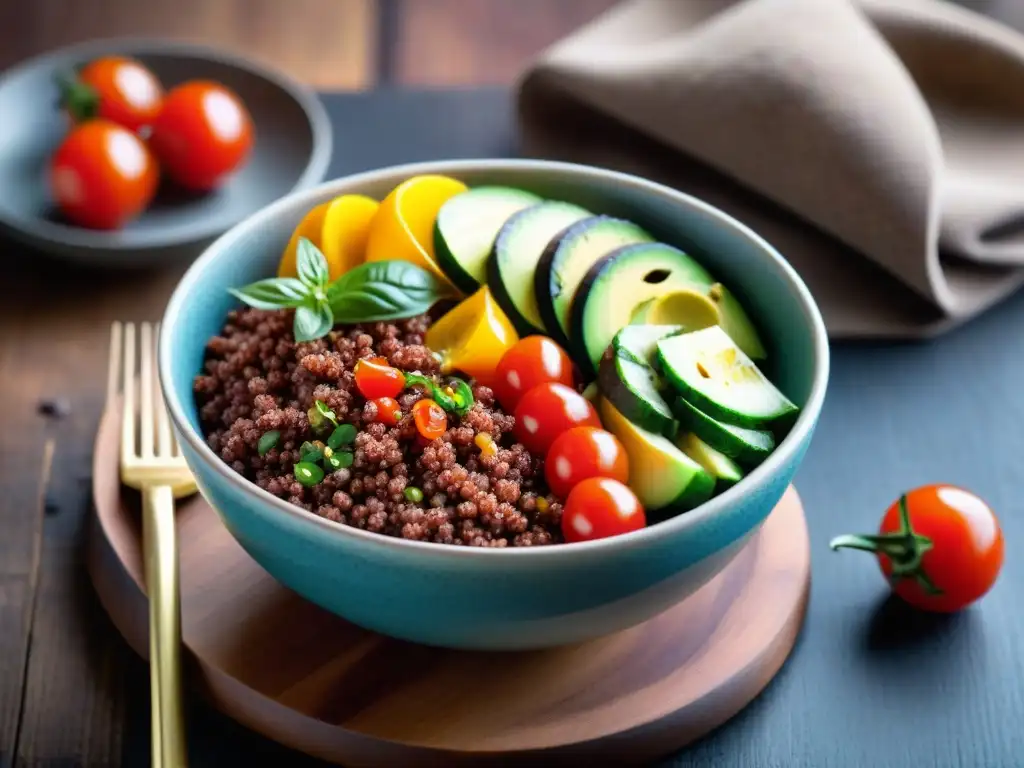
[80,99]
[904,548]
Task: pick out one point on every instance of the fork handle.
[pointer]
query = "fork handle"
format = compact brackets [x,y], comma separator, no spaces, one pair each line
[161,559]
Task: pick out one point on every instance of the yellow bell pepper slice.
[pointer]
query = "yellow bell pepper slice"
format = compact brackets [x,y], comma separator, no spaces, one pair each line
[310,227]
[345,232]
[404,225]
[472,337]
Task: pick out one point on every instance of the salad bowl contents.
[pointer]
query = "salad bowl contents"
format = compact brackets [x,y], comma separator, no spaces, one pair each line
[432,364]
[395,395]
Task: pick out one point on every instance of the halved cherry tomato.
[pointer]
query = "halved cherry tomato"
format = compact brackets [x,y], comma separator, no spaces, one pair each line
[389,412]
[548,410]
[202,134]
[376,378]
[431,420]
[940,547]
[583,452]
[102,175]
[600,507]
[115,88]
[532,361]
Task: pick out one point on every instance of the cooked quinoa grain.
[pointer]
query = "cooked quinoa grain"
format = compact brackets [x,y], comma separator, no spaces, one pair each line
[473,486]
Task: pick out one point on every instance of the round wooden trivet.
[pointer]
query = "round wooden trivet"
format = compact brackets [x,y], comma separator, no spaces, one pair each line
[318,684]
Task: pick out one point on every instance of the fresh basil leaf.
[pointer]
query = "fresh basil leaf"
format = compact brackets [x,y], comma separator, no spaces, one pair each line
[272,293]
[311,264]
[312,321]
[383,290]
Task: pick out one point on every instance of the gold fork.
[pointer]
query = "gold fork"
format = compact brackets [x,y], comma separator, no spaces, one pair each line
[152,463]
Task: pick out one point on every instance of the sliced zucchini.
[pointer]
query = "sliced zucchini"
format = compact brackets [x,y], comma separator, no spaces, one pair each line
[567,260]
[622,281]
[626,378]
[660,474]
[466,228]
[747,446]
[736,323]
[725,471]
[513,261]
[713,374]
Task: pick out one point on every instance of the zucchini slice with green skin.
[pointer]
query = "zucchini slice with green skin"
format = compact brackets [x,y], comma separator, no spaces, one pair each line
[517,250]
[736,323]
[627,379]
[622,281]
[466,228]
[660,474]
[565,263]
[713,374]
[747,446]
[725,471]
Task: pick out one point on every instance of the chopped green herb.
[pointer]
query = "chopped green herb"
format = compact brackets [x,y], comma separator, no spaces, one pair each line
[455,397]
[308,474]
[413,494]
[462,395]
[267,441]
[320,415]
[339,460]
[311,452]
[343,434]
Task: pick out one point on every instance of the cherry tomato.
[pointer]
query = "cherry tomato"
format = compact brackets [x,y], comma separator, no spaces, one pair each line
[375,379]
[531,361]
[431,420]
[115,88]
[583,452]
[548,410]
[389,412]
[203,133]
[102,175]
[940,547]
[599,507]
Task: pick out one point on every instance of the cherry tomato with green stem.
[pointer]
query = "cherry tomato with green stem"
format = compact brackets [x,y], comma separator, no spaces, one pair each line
[599,507]
[939,546]
[102,175]
[530,361]
[583,452]
[548,410]
[202,134]
[116,88]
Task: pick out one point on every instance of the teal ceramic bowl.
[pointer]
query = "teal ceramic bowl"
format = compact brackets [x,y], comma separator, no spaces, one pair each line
[508,598]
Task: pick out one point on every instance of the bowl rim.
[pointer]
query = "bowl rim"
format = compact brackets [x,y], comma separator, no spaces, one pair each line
[797,436]
[132,239]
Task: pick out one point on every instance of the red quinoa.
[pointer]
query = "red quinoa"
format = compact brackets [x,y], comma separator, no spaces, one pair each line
[258,379]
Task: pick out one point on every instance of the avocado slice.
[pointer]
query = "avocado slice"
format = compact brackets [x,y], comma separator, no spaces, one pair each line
[565,263]
[513,261]
[622,281]
[714,375]
[466,227]
[725,471]
[660,474]
[736,323]
[747,446]
[626,378]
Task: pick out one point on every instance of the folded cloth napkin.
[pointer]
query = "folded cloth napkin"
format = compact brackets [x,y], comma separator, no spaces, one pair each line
[877,144]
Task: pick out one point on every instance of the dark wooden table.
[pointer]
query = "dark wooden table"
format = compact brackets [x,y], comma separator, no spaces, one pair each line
[869,684]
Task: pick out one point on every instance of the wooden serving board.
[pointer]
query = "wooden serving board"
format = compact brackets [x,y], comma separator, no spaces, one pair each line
[319,684]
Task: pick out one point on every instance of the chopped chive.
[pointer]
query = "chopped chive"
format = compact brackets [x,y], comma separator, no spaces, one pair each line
[308,474]
[413,494]
[267,441]
[343,434]
[340,460]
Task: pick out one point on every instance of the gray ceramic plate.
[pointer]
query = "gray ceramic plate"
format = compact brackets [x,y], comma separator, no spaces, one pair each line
[291,151]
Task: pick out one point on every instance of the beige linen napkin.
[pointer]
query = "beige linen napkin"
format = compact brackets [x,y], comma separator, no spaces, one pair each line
[878,144]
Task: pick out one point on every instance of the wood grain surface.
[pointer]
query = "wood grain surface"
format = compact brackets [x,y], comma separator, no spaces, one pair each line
[73,694]
[322,685]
